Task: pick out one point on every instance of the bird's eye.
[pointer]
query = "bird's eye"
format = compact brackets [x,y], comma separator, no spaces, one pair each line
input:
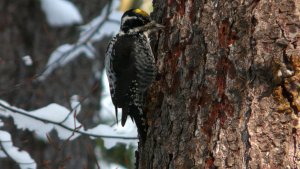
[141,12]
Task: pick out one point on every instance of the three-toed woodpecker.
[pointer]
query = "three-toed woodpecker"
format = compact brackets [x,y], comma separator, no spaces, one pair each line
[130,66]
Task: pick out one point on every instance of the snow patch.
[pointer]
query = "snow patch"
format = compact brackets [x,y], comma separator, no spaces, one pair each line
[21,157]
[27,60]
[60,12]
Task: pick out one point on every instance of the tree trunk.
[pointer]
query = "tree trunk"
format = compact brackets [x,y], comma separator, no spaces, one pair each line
[228,89]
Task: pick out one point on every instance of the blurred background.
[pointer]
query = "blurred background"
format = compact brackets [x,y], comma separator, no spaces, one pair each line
[52,51]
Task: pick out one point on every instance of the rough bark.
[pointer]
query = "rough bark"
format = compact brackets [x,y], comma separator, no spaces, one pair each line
[228,89]
[24,31]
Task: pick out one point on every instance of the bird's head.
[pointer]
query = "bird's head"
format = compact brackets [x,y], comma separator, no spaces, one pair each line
[137,20]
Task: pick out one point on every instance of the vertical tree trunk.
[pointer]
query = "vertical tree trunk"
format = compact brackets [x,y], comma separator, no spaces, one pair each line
[228,88]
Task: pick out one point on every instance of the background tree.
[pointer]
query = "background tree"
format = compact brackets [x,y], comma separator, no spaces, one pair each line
[228,89]
[24,31]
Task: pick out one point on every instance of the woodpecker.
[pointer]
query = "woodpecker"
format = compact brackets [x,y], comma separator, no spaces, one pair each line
[130,66]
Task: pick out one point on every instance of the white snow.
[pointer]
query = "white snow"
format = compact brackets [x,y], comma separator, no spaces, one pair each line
[115,166]
[54,116]
[75,104]
[60,12]
[57,114]
[109,27]
[5,136]
[60,118]
[129,130]
[2,154]
[93,31]
[24,122]
[21,157]
[27,60]
[53,113]
[65,54]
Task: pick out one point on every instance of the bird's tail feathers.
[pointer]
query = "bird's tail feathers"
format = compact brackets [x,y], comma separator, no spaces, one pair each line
[125,111]
[136,113]
[116,111]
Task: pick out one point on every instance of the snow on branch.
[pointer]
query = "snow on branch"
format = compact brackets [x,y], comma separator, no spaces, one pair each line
[22,158]
[56,117]
[60,12]
[53,116]
[59,118]
[107,23]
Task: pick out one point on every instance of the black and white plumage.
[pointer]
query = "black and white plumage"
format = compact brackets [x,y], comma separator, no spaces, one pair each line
[130,66]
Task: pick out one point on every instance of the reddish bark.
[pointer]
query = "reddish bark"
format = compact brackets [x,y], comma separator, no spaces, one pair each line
[228,93]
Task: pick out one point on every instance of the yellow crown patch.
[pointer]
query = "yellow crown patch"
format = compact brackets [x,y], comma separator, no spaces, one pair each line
[141,12]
